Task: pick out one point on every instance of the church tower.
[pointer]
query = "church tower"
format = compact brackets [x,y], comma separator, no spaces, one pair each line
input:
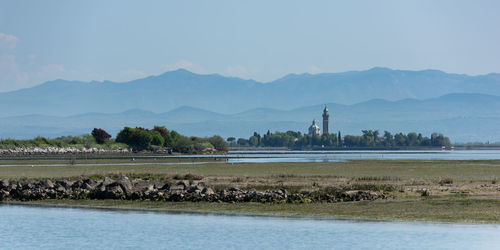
[326,118]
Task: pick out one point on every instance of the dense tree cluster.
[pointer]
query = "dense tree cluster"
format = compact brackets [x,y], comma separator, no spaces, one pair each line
[372,138]
[369,138]
[142,138]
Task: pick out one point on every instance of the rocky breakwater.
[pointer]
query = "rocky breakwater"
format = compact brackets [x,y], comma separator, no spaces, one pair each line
[60,150]
[138,189]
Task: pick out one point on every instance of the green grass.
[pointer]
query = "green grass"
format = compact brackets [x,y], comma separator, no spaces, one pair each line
[376,170]
[454,209]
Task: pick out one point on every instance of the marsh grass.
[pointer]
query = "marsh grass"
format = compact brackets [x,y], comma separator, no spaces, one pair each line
[450,209]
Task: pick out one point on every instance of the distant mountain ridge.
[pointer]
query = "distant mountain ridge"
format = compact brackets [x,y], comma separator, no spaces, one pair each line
[462,117]
[229,95]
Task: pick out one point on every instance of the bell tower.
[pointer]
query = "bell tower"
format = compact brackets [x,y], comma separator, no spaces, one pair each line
[326,118]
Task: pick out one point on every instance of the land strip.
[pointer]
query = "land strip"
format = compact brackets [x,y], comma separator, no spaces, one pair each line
[436,190]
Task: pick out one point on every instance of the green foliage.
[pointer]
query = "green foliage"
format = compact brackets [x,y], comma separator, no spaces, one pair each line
[142,139]
[218,143]
[253,141]
[172,139]
[125,135]
[369,138]
[157,138]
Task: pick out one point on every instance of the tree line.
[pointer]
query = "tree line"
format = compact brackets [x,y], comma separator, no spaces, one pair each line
[160,137]
[369,138]
[136,138]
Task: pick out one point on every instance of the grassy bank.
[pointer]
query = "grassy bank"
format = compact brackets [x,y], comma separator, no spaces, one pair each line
[461,191]
[425,170]
[450,209]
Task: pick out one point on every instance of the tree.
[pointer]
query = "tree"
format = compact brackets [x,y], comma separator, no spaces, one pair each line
[142,139]
[231,139]
[157,138]
[218,143]
[400,139]
[162,130]
[412,139]
[243,142]
[388,139]
[172,139]
[125,135]
[183,145]
[100,135]
[253,141]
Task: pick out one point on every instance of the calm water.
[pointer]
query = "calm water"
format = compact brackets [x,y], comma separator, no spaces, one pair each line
[26,227]
[331,156]
[301,156]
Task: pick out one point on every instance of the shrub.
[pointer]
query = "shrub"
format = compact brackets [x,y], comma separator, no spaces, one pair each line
[218,142]
[100,135]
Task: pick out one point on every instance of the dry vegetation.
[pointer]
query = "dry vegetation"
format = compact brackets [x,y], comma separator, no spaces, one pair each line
[423,190]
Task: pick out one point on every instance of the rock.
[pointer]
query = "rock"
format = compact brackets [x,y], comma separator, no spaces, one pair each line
[47,184]
[107,181]
[64,183]
[114,191]
[4,184]
[77,184]
[177,188]
[125,184]
[144,186]
[166,186]
[4,194]
[61,189]
[183,183]
[207,191]
[90,182]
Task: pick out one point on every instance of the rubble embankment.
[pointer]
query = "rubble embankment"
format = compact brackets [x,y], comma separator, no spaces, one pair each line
[183,190]
[60,151]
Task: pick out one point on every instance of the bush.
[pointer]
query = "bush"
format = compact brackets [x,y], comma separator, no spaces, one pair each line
[100,135]
[218,142]
[183,145]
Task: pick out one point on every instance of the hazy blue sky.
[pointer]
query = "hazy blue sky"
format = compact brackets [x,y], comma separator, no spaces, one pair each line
[262,40]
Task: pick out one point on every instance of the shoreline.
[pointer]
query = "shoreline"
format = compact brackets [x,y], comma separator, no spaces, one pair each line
[456,191]
[266,210]
[199,212]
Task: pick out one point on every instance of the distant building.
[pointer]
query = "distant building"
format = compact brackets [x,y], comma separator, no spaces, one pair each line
[314,129]
[326,118]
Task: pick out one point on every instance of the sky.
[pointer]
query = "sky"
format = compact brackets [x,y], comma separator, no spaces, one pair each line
[260,40]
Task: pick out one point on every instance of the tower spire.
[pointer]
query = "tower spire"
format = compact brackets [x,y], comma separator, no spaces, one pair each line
[326,118]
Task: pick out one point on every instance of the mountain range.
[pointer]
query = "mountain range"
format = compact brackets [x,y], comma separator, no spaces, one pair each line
[229,95]
[462,117]
[465,108]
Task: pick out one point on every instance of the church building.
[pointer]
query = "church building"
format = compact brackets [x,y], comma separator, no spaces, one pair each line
[314,129]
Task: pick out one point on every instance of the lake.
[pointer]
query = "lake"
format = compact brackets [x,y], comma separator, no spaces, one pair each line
[32,227]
